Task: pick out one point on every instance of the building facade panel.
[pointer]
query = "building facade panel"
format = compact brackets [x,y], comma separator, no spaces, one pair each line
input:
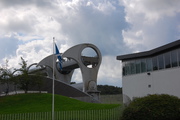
[166,81]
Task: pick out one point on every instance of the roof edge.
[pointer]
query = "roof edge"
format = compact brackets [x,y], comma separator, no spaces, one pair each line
[152,52]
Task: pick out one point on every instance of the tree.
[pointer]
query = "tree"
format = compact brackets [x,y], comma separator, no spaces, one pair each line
[6,76]
[26,80]
[23,78]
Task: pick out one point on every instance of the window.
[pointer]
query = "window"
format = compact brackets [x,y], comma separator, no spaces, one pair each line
[155,65]
[123,69]
[167,59]
[127,67]
[174,58]
[143,65]
[149,64]
[161,62]
[179,57]
[133,67]
[138,66]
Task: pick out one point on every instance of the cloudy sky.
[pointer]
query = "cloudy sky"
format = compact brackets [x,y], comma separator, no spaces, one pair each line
[116,27]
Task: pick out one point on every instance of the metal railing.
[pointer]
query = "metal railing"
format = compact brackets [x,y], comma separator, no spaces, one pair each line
[105,114]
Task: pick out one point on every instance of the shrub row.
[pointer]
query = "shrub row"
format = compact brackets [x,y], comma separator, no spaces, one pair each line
[153,107]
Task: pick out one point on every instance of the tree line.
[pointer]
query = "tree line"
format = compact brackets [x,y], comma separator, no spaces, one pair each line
[23,80]
[109,90]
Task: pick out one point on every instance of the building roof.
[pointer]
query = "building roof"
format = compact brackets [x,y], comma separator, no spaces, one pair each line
[150,53]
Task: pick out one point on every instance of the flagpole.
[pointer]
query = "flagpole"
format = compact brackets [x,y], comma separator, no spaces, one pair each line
[53,81]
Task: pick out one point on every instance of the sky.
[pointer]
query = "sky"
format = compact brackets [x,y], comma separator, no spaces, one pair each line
[116,27]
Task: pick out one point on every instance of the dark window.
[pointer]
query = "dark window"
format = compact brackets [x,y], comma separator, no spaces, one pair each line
[174,58]
[155,65]
[128,70]
[161,62]
[167,59]
[143,65]
[149,64]
[123,69]
[179,57]
[138,66]
[133,67]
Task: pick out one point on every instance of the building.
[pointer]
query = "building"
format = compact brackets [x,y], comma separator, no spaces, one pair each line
[151,72]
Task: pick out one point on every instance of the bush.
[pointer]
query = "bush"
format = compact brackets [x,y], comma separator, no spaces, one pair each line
[153,107]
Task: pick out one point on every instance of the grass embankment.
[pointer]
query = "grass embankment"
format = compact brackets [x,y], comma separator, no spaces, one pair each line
[39,102]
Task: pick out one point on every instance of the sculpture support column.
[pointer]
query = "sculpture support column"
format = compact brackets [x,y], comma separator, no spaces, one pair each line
[89,74]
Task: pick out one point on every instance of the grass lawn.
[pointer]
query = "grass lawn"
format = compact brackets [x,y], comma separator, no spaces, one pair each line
[42,102]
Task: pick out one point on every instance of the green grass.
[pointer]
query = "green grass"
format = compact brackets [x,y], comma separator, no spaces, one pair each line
[39,102]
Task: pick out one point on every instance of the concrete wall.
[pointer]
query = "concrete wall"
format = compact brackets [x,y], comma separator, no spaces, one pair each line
[165,81]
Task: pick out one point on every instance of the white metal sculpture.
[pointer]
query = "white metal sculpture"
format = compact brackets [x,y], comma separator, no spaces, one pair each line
[72,59]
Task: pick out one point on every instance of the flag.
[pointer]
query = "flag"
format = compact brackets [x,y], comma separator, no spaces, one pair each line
[58,56]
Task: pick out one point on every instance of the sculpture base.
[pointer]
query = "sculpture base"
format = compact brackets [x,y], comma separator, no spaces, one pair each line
[94,94]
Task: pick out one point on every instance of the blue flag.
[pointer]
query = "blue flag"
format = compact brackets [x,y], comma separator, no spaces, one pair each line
[58,56]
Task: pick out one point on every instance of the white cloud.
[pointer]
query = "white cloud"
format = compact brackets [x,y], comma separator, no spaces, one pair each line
[110,71]
[89,24]
[31,25]
[106,7]
[153,23]
[151,10]
[77,76]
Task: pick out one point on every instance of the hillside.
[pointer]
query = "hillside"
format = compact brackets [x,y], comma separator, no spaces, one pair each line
[109,90]
[39,102]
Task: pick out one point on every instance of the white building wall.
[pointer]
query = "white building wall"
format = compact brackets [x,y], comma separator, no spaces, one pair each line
[165,81]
